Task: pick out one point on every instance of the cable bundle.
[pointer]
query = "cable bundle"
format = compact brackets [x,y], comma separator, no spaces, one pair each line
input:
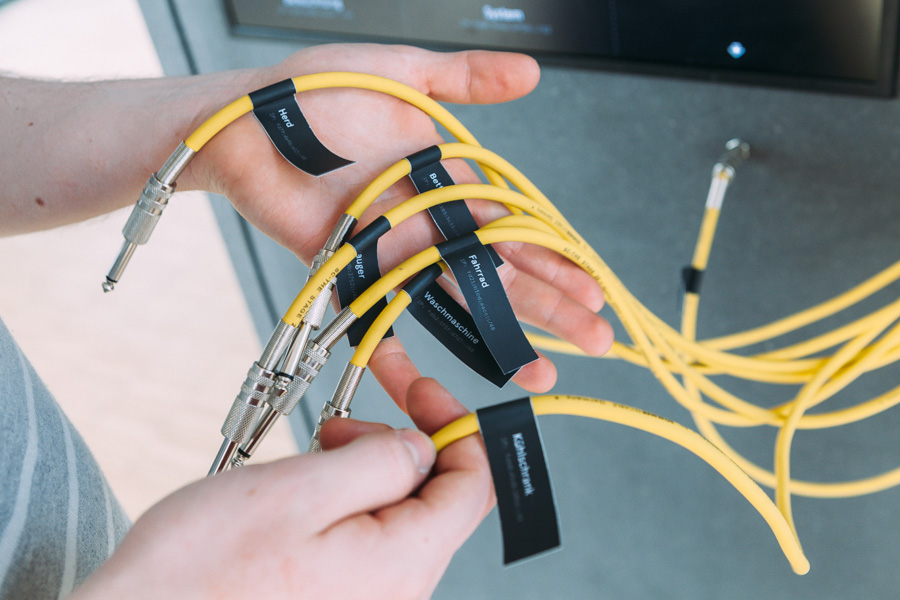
[300,346]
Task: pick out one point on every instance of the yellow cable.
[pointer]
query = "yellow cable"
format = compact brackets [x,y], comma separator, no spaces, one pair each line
[684,437]
[379,328]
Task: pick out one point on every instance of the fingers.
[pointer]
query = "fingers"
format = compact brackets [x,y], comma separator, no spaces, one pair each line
[393,369]
[479,77]
[452,504]
[340,432]
[370,472]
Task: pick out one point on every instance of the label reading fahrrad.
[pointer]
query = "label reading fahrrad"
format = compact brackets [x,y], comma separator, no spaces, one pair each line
[483,291]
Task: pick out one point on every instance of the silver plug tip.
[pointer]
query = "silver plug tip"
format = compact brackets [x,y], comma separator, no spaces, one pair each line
[109,285]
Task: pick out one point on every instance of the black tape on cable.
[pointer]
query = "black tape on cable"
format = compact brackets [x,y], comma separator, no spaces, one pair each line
[362,272]
[284,123]
[528,517]
[455,329]
[489,306]
[351,282]
[435,309]
[271,93]
[452,218]
[691,279]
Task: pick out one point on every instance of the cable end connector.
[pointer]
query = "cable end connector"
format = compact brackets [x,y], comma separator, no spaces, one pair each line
[146,213]
[736,151]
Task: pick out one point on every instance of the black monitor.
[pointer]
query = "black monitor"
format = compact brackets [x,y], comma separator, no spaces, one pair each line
[830,45]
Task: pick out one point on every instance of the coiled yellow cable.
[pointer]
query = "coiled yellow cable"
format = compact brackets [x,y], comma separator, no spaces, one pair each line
[684,437]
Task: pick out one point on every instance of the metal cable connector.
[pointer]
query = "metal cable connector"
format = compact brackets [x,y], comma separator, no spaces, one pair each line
[340,232]
[736,151]
[254,392]
[340,402]
[336,329]
[244,413]
[314,358]
[146,213]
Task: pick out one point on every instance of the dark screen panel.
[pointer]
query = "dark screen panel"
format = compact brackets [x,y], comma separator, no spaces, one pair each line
[840,45]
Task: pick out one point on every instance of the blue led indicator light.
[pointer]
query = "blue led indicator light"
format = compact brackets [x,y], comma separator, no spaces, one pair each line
[736,49]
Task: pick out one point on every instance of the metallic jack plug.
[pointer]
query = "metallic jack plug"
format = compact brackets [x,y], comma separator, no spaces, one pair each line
[256,389]
[736,151]
[301,364]
[339,233]
[285,394]
[146,213]
[243,414]
[340,403]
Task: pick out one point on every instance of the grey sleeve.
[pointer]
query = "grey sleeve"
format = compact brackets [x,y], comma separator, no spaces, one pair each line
[58,518]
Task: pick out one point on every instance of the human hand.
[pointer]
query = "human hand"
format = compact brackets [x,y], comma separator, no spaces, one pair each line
[298,210]
[351,522]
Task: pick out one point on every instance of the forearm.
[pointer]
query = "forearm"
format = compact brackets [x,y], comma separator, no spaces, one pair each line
[72,151]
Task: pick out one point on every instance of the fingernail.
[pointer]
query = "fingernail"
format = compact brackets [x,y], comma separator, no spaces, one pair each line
[420,447]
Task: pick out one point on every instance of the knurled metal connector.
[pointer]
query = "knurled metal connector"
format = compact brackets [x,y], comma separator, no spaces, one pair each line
[328,412]
[146,213]
[286,400]
[340,402]
[736,151]
[246,406]
[314,358]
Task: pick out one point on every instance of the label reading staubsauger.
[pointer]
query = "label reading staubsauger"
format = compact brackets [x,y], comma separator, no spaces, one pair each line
[528,515]
[288,129]
[351,282]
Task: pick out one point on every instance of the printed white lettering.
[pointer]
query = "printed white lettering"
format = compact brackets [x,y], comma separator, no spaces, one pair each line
[478,272]
[524,469]
[501,14]
[284,117]
[358,265]
[435,181]
[429,297]
[335,5]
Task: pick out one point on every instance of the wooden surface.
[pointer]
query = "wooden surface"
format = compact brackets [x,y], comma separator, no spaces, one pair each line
[147,372]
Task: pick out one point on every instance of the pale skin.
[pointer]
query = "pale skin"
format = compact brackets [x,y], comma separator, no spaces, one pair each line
[73,151]
[361,520]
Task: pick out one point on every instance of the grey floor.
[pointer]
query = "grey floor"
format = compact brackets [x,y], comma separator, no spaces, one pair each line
[628,159]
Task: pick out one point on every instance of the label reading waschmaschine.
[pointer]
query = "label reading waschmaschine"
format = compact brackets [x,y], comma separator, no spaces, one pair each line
[528,517]
[455,329]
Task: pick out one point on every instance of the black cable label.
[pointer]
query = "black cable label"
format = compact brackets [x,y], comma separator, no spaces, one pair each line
[483,291]
[288,129]
[351,282]
[453,218]
[528,517]
[453,327]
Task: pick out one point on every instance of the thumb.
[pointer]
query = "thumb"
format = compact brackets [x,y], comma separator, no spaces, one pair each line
[369,473]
